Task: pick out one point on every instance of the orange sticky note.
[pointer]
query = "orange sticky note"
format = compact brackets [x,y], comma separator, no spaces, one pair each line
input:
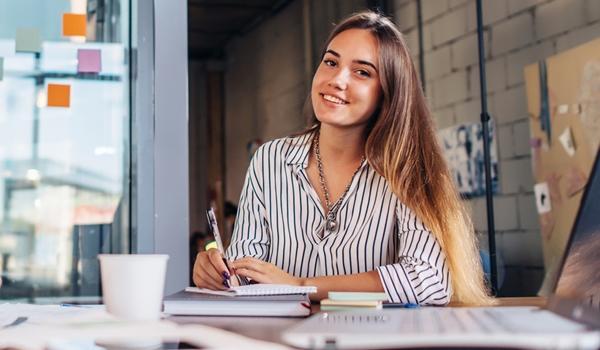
[73,24]
[59,95]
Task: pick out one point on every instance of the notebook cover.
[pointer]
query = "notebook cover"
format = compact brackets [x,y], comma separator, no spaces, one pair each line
[187,303]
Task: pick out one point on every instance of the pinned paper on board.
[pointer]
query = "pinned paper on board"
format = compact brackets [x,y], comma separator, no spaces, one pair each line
[576,181]
[1,68]
[89,61]
[73,24]
[59,95]
[28,40]
[566,140]
[542,198]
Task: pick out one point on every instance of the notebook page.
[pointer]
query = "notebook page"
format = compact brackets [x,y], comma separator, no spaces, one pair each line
[257,289]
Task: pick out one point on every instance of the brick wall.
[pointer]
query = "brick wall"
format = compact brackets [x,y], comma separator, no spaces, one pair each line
[517,33]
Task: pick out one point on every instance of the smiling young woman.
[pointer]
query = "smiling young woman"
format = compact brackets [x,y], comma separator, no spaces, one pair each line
[363,199]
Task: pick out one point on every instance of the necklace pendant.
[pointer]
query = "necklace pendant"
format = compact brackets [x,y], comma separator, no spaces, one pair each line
[330,224]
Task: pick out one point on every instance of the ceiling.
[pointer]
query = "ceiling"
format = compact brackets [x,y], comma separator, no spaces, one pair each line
[211,23]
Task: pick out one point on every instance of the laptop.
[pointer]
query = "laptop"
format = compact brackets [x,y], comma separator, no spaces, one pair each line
[570,320]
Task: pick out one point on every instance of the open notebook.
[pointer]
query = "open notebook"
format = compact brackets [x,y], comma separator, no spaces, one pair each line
[256,289]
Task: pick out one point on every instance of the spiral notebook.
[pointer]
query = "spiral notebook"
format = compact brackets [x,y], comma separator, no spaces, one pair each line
[256,290]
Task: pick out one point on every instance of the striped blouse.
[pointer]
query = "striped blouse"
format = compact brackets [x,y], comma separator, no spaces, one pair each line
[280,220]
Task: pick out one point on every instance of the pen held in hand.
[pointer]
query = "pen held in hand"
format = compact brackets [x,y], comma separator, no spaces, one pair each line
[212,223]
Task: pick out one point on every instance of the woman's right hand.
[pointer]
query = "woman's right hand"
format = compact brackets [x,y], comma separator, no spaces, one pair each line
[210,271]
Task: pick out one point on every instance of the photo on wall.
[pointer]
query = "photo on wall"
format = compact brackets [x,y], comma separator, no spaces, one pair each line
[463,148]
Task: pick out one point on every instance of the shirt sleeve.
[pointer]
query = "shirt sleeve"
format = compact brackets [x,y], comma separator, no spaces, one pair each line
[420,275]
[251,236]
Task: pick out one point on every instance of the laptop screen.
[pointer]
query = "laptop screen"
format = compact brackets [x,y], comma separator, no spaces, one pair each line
[580,274]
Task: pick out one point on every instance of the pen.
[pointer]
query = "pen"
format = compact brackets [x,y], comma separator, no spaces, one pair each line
[212,221]
[401,305]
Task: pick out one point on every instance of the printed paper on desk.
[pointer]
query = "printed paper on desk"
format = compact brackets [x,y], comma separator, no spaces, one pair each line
[542,198]
[256,290]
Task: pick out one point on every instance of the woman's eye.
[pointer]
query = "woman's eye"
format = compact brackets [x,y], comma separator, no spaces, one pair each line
[330,63]
[363,73]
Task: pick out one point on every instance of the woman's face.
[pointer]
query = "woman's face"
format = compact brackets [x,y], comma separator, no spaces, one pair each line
[345,89]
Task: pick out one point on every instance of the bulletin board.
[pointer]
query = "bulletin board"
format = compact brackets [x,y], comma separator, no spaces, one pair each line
[563,95]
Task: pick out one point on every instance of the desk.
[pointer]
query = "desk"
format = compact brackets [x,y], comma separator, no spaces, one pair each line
[271,328]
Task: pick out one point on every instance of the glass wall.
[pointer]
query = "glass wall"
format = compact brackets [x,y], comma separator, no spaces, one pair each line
[64,144]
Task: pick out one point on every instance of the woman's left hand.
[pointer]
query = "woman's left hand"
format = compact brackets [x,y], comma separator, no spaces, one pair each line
[263,272]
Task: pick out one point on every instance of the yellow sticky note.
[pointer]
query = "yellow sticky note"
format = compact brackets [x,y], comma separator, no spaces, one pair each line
[59,95]
[74,24]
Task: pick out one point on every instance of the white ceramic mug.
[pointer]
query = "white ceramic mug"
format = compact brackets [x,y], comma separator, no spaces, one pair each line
[133,285]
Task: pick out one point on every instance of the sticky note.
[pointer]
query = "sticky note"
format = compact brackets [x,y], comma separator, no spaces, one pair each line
[59,95]
[28,40]
[88,61]
[73,24]
[1,68]
[542,198]
[566,140]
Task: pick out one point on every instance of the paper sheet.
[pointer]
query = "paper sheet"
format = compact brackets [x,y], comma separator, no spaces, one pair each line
[53,326]
[542,197]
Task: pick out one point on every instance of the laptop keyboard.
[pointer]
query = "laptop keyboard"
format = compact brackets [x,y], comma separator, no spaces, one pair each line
[440,321]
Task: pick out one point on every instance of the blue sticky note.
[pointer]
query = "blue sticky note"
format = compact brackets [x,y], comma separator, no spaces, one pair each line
[28,40]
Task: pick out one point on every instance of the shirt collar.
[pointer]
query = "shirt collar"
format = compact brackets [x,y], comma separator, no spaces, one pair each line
[299,149]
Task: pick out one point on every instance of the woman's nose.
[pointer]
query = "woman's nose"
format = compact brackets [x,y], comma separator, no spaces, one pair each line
[340,79]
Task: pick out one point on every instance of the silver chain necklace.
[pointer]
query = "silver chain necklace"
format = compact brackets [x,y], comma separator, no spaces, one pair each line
[331,223]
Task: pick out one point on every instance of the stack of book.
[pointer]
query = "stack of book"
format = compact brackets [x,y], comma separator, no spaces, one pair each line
[352,300]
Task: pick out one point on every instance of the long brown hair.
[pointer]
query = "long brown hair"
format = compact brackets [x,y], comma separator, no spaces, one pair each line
[402,146]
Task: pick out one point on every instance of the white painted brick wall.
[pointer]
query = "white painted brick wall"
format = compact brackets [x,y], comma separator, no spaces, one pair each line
[406,16]
[505,142]
[521,248]
[468,112]
[528,217]
[517,61]
[522,135]
[451,25]
[450,89]
[512,34]
[465,51]
[438,63]
[516,176]
[505,213]
[433,8]
[495,74]
[511,105]
[444,117]
[578,37]
[515,6]
[558,16]
[592,10]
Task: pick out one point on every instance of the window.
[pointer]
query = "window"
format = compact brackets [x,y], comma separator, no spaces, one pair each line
[64,170]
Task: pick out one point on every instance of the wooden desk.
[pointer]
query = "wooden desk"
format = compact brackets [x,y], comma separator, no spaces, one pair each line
[271,328]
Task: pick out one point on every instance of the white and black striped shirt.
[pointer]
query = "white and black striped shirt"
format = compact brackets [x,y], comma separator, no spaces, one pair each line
[280,220]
